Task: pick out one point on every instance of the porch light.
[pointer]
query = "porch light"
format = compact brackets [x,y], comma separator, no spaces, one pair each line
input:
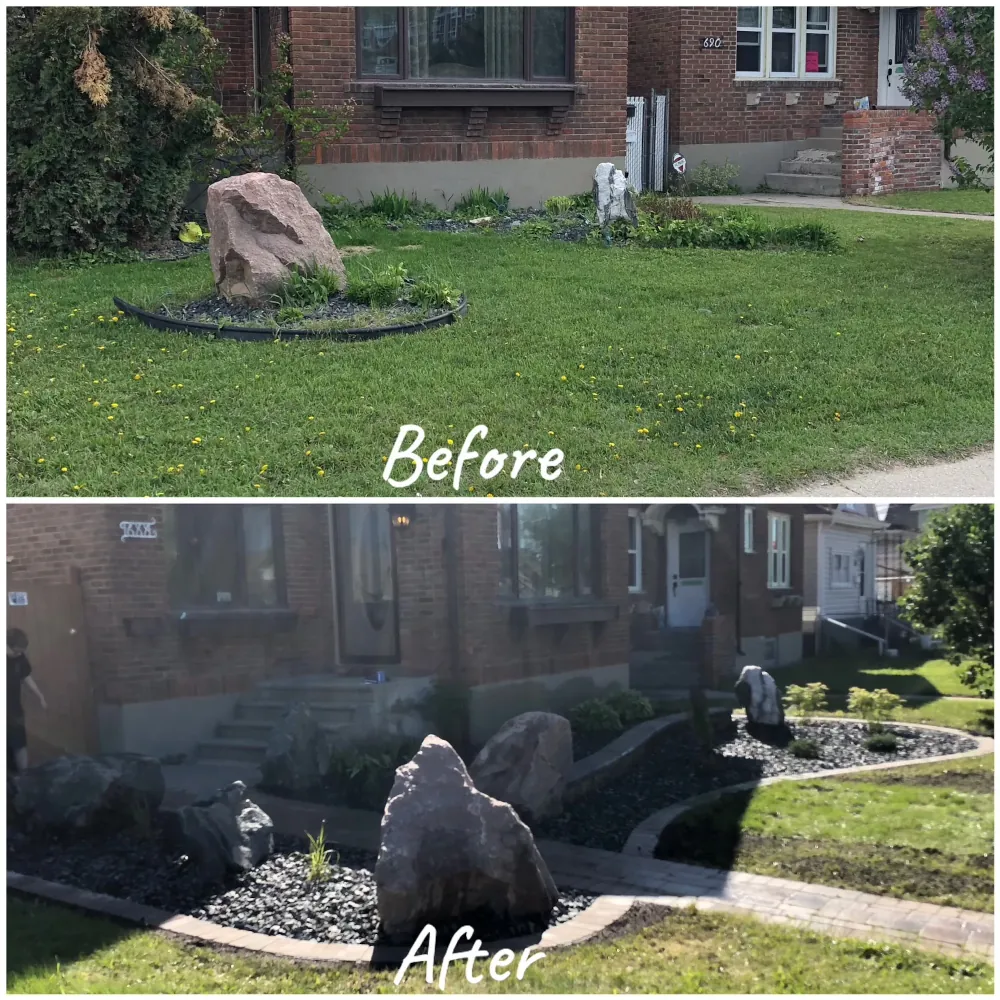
[402,515]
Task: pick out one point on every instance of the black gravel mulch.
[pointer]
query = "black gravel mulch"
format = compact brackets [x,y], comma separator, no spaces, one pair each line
[674,768]
[274,898]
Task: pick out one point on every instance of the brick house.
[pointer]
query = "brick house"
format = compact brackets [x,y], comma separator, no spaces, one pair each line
[162,628]
[773,90]
[528,99]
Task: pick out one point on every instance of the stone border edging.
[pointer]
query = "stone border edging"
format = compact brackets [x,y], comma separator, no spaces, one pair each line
[643,839]
[603,911]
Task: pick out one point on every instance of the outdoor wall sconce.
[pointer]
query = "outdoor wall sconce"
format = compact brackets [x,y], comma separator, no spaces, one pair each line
[402,515]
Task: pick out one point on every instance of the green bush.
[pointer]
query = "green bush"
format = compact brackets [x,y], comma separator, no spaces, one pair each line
[433,294]
[445,708]
[305,288]
[595,716]
[559,205]
[807,749]
[806,700]
[631,707]
[391,205]
[712,179]
[882,743]
[483,201]
[535,229]
[361,776]
[873,706]
[377,288]
[667,207]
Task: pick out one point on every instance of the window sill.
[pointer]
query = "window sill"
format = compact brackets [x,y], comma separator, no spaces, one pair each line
[578,611]
[435,94]
[778,82]
[786,601]
[235,622]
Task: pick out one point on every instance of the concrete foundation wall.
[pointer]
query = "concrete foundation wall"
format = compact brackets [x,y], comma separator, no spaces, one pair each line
[977,157]
[771,651]
[491,705]
[755,159]
[158,728]
[528,182]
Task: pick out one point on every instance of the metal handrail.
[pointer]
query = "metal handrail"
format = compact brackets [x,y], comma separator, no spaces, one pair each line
[857,631]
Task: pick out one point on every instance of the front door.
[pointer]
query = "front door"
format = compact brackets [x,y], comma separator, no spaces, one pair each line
[687,573]
[899,32]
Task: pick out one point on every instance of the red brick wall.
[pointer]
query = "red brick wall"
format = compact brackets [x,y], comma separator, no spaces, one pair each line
[324,61]
[890,150]
[708,104]
[231,27]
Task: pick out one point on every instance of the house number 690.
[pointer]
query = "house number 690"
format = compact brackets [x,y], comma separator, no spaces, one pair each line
[711,43]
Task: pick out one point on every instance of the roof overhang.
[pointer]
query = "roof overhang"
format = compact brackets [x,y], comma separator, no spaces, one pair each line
[655,516]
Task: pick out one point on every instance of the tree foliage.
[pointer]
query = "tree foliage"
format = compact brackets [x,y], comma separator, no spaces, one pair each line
[952,591]
[951,72]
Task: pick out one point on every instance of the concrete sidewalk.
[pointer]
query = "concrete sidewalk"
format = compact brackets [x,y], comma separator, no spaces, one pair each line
[819,201]
[966,478]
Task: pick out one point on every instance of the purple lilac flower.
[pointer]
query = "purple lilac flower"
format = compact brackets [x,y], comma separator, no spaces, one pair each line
[938,52]
[951,36]
[941,105]
[977,81]
[953,74]
[970,45]
[929,77]
[943,17]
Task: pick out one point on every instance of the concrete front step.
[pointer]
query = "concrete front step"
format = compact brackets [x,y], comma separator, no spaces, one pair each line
[822,142]
[831,168]
[248,750]
[815,184]
[334,690]
[242,730]
[272,710]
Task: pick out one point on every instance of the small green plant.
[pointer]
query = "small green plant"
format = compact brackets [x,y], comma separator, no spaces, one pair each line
[806,749]
[806,700]
[377,288]
[306,288]
[319,856]
[535,229]
[337,210]
[362,775]
[433,294]
[966,175]
[595,716]
[631,707]
[289,314]
[142,818]
[483,201]
[873,706]
[701,719]
[667,207]
[192,233]
[559,205]
[391,205]
[712,179]
[882,743]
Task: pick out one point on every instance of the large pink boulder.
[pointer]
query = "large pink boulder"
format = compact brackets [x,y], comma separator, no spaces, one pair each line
[263,226]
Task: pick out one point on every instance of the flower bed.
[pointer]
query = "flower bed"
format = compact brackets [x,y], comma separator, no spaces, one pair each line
[676,768]
[274,898]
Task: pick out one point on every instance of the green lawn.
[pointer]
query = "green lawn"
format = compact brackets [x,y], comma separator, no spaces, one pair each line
[974,715]
[833,362]
[971,202]
[919,676]
[55,950]
[923,832]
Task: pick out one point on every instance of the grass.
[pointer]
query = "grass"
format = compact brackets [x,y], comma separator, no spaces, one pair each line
[924,676]
[923,832]
[973,715]
[687,952]
[634,362]
[968,201]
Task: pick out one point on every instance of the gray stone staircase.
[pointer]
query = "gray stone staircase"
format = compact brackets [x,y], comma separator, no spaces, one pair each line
[337,703]
[815,168]
[665,661]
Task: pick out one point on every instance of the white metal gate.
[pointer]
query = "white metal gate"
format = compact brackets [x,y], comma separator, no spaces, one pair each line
[658,146]
[635,134]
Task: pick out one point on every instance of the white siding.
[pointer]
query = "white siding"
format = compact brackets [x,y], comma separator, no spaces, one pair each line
[845,543]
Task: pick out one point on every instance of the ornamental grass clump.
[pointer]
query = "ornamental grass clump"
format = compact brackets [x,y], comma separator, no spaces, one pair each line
[319,856]
[377,287]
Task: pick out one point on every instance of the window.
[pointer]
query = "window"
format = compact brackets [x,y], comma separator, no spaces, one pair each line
[465,43]
[748,529]
[785,42]
[634,552]
[779,551]
[840,569]
[547,550]
[226,557]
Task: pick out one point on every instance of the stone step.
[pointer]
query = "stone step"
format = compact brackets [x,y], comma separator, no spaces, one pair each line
[256,732]
[273,710]
[822,142]
[318,691]
[829,168]
[815,184]
[249,750]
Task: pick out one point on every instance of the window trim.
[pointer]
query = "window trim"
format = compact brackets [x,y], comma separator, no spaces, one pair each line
[847,560]
[403,74]
[748,526]
[774,581]
[801,31]
[635,584]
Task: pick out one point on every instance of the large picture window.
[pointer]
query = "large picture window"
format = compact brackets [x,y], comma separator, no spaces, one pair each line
[634,552]
[463,44]
[785,42]
[226,556]
[547,551]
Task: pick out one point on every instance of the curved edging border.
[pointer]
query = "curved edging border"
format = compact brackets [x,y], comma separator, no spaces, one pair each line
[603,911]
[157,321]
[643,839]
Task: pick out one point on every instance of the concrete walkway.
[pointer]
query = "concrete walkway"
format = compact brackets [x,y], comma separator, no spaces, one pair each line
[819,201]
[965,478]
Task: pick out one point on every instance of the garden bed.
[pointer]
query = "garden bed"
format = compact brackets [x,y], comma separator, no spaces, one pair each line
[675,768]
[276,898]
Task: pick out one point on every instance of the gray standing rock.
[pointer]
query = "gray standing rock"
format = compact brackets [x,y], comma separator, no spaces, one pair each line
[527,763]
[613,196]
[298,753]
[111,791]
[225,832]
[759,696]
[261,227]
[449,853]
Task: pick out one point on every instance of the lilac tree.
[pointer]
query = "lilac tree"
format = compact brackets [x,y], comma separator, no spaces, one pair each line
[950,72]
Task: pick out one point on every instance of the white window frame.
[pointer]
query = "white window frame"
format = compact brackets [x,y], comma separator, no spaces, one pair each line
[779,551]
[748,530]
[846,581]
[635,584]
[801,30]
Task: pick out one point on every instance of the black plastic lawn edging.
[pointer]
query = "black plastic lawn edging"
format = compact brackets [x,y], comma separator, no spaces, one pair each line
[160,322]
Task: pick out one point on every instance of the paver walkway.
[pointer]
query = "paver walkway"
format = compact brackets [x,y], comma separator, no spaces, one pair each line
[818,201]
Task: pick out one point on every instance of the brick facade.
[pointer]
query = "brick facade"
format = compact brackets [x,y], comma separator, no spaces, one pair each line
[890,150]
[324,61]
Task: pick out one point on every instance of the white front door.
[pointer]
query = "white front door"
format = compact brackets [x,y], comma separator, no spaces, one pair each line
[899,32]
[687,573]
